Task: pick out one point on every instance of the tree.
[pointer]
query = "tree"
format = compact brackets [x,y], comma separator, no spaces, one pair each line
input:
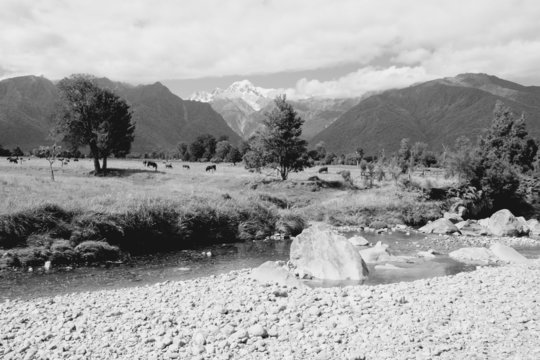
[404,155]
[234,156]
[183,151]
[360,155]
[51,154]
[282,147]
[96,117]
[460,160]
[204,147]
[17,152]
[4,152]
[222,150]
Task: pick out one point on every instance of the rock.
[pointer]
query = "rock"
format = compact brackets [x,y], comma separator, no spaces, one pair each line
[440,226]
[240,335]
[198,339]
[534,228]
[472,228]
[377,253]
[453,217]
[358,241]
[47,265]
[257,331]
[271,272]
[327,255]
[507,254]
[473,255]
[428,254]
[503,223]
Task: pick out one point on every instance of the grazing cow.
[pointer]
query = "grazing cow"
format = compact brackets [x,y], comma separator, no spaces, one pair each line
[168,166]
[151,164]
[185,166]
[13,160]
[76,159]
[323,170]
[211,168]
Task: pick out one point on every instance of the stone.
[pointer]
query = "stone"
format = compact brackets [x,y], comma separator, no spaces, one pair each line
[428,254]
[198,339]
[473,255]
[257,331]
[507,254]
[503,223]
[453,217]
[472,228]
[440,226]
[272,272]
[358,240]
[534,228]
[377,253]
[325,254]
[239,335]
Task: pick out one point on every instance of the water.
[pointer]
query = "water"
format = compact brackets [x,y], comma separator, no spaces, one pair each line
[184,265]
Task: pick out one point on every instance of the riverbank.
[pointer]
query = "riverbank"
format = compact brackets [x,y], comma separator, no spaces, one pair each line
[490,313]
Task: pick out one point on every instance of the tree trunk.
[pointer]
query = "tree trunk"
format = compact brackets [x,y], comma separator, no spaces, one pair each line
[104,167]
[52,171]
[97,166]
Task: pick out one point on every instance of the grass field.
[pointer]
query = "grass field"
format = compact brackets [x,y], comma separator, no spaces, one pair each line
[178,208]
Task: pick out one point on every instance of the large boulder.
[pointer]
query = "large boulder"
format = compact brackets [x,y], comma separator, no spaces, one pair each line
[441,226]
[325,254]
[474,255]
[375,254]
[274,273]
[503,223]
[507,254]
[471,228]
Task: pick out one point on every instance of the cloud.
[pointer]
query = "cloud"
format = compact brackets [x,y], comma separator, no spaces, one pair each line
[145,41]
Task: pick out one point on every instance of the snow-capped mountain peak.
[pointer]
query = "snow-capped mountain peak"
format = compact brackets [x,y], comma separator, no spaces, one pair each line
[255,97]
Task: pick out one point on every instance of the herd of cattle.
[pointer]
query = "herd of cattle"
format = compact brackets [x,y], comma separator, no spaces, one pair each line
[154,165]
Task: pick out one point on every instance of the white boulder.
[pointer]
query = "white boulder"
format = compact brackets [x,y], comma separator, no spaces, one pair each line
[358,241]
[503,223]
[272,272]
[474,255]
[440,226]
[375,254]
[323,253]
[507,254]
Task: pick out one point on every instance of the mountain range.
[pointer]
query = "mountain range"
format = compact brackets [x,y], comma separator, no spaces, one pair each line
[162,118]
[435,112]
[244,105]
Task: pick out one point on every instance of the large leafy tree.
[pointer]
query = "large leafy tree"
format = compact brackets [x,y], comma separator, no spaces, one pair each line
[88,115]
[282,147]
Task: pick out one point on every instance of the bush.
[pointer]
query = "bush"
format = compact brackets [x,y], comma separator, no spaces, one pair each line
[9,260]
[291,224]
[16,228]
[280,203]
[97,251]
[35,256]
[419,214]
[97,226]
[62,253]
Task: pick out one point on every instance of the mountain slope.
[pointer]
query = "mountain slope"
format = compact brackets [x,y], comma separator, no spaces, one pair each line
[162,118]
[243,106]
[435,112]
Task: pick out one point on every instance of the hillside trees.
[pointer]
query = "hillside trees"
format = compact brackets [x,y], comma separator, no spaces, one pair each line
[88,115]
[279,145]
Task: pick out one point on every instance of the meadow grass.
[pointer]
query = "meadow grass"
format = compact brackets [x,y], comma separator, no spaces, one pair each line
[82,218]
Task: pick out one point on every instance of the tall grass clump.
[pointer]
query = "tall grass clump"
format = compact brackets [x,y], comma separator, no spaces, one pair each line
[16,228]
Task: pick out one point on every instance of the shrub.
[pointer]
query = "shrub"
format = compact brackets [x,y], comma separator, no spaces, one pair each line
[257,223]
[280,203]
[16,228]
[9,260]
[291,224]
[97,226]
[96,251]
[35,256]
[420,213]
[62,253]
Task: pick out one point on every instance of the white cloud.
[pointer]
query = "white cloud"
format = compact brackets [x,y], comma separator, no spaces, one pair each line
[145,41]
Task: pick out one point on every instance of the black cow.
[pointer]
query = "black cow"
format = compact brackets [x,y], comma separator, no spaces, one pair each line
[13,160]
[185,166]
[168,166]
[323,170]
[151,164]
[211,168]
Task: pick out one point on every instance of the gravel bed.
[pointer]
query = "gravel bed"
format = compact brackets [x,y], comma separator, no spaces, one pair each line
[490,313]
[448,243]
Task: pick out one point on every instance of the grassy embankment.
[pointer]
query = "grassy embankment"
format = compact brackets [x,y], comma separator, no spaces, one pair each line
[84,219]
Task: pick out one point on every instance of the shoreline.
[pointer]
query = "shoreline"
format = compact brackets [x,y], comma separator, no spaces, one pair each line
[491,312]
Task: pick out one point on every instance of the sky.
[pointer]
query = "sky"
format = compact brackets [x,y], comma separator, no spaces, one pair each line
[330,48]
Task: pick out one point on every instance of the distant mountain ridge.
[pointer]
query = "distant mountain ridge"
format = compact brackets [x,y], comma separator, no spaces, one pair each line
[243,106]
[162,118]
[435,112]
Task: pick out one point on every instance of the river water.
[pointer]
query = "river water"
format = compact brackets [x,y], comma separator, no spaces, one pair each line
[184,265]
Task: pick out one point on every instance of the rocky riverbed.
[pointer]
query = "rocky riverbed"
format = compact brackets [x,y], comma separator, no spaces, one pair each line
[490,313]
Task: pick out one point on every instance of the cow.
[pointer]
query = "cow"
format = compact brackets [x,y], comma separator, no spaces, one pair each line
[211,168]
[168,166]
[151,164]
[13,160]
[76,159]
[185,166]
[323,170]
